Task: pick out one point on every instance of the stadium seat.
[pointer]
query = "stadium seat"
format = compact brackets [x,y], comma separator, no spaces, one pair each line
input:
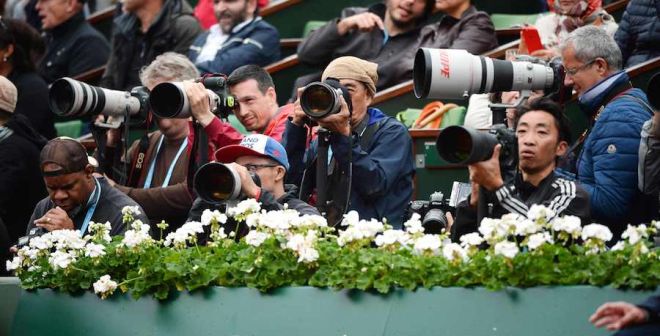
[72,129]
[503,21]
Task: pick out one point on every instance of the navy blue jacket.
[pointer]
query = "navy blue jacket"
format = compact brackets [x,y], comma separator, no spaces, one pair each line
[638,35]
[383,170]
[607,165]
[652,305]
[256,43]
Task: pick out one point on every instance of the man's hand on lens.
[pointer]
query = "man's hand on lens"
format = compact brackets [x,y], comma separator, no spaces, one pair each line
[339,122]
[248,187]
[198,98]
[55,219]
[487,173]
[298,117]
[364,22]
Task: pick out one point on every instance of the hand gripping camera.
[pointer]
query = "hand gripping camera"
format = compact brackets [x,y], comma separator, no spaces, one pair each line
[169,100]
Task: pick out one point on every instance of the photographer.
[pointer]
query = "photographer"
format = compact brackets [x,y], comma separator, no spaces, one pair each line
[378,178]
[76,197]
[542,133]
[649,151]
[266,158]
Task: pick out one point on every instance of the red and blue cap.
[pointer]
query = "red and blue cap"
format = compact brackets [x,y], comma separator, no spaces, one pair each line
[255,145]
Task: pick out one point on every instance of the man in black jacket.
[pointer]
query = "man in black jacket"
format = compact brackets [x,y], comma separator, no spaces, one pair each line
[543,134]
[146,29]
[266,158]
[21,186]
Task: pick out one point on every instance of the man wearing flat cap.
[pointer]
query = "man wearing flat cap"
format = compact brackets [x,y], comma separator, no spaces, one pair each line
[76,197]
[370,157]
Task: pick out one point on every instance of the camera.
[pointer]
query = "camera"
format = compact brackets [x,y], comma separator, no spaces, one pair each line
[169,99]
[456,74]
[463,145]
[321,99]
[432,212]
[217,182]
[34,232]
[70,98]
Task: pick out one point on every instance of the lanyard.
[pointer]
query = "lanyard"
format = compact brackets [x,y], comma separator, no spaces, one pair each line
[150,175]
[90,211]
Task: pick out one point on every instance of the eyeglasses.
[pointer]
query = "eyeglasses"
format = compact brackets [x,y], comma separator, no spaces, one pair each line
[254,167]
[574,71]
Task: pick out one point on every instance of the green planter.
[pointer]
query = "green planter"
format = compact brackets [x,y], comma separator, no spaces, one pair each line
[312,311]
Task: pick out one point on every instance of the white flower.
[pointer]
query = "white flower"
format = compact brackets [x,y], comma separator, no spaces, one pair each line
[427,243]
[492,230]
[94,250]
[59,259]
[618,246]
[391,237]
[15,263]
[596,231]
[29,253]
[256,238]
[244,208]
[311,221]
[361,230]
[303,245]
[208,216]
[350,219]
[634,234]
[131,210]
[137,235]
[453,251]
[105,286]
[471,239]
[370,228]
[506,249]
[536,240]
[66,239]
[509,223]
[538,211]
[40,243]
[102,229]
[349,235]
[569,224]
[414,225]
[526,227]
[307,255]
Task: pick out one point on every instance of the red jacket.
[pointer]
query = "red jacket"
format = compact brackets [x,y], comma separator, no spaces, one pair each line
[206,16]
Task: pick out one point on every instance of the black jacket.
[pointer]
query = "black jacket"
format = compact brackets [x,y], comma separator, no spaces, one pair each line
[33,102]
[174,29]
[73,47]
[21,184]
[638,35]
[562,196]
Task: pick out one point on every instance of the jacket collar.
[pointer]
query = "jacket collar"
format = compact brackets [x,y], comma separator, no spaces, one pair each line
[126,24]
[601,93]
[68,26]
[452,20]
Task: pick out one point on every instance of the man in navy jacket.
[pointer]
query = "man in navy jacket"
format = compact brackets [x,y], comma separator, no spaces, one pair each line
[239,38]
[607,164]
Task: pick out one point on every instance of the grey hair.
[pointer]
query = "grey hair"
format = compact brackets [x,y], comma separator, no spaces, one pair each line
[169,66]
[591,42]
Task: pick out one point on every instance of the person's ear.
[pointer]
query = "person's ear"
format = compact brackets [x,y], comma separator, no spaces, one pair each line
[271,94]
[281,172]
[9,50]
[561,149]
[601,66]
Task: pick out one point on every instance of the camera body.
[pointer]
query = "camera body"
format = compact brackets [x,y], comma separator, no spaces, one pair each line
[216,183]
[321,99]
[68,97]
[432,212]
[34,232]
[169,99]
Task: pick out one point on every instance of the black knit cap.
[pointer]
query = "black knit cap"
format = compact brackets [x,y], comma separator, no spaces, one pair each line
[65,152]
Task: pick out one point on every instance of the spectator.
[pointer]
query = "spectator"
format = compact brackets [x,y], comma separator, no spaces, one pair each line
[257,108]
[72,45]
[381,169]
[161,188]
[147,29]
[462,27]
[204,12]
[639,33]
[649,149]
[543,135]
[20,47]
[263,156]
[607,163]
[566,16]
[21,186]
[76,197]
[240,37]
[385,33]
[631,320]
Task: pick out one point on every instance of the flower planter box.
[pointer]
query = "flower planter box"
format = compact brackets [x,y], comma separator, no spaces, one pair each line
[312,311]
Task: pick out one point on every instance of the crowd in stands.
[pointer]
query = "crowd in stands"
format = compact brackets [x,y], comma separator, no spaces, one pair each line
[48,183]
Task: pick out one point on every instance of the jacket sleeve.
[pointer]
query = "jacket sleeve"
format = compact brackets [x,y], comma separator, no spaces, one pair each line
[109,76]
[652,305]
[294,142]
[260,48]
[185,31]
[221,134]
[465,222]
[319,46]
[375,172]
[477,35]
[89,53]
[164,202]
[623,38]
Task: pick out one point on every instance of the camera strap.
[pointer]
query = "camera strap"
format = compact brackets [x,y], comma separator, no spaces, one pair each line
[170,170]
[199,154]
[140,155]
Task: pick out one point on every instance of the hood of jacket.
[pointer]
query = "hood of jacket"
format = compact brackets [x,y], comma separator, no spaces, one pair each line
[595,97]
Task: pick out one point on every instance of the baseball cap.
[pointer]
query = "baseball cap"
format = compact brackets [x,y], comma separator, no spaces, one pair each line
[256,145]
[65,152]
[8,95]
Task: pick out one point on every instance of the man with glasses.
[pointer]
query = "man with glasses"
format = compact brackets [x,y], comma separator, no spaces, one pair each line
[607,153]
[263,156]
